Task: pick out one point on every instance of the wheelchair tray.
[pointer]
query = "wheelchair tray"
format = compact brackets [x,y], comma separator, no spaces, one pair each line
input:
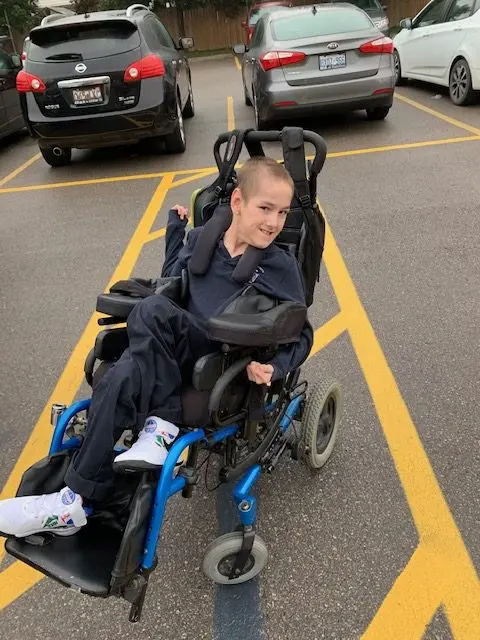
[83,561]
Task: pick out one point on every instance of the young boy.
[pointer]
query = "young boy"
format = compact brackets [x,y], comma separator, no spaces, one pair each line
[144,386]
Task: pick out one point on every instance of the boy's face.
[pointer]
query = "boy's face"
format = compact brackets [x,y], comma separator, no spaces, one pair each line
[261,217]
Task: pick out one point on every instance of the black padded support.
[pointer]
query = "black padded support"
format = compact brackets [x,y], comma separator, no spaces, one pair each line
[246,322]
[110,344]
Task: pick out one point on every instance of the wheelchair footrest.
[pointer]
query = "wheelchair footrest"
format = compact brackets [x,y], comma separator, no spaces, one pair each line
[83,561]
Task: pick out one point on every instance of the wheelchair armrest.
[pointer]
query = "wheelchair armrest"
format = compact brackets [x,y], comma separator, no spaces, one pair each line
[124,295]
[253,321]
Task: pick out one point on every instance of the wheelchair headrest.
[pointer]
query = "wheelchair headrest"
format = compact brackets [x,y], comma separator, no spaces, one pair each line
[210,235]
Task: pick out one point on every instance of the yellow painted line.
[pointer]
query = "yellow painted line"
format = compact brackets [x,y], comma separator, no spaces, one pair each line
[230,114]
[198,175]
[21,168]
[237,63]
[438,114]
[204,171]
[400,147]
[155,235]
[328,332]
[448,574]
[15,580]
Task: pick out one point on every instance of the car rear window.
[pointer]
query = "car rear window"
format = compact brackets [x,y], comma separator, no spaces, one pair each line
[84,41]
[323,23]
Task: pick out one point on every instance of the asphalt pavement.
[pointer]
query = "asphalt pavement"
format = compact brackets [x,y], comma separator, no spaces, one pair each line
[384,543]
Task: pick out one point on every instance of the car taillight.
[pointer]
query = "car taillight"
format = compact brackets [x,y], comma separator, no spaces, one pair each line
[380,45]
[276,59]
[149,67]
[27,82]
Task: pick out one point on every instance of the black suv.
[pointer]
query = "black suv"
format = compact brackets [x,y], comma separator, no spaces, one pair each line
[105,78]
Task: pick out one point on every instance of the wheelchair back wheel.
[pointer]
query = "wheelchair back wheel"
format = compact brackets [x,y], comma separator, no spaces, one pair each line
[220,557]
[321,421]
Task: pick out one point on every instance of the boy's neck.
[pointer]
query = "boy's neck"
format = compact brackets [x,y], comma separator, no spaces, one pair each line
[233,244]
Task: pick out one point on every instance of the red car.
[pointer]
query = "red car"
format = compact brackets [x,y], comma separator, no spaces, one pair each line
[256,11]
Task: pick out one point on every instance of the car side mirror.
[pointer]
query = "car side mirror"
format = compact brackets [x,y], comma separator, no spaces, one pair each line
[239,49]
[406,23]
[186,43]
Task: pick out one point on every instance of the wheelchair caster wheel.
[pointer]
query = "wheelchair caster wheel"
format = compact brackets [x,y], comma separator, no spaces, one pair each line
[220,555]
[321,421]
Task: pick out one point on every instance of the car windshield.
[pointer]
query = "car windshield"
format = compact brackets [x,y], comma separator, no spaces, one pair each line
[323,23]
[261,11]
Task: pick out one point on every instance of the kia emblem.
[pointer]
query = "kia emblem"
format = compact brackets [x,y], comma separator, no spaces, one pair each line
[81,68]
[333,45]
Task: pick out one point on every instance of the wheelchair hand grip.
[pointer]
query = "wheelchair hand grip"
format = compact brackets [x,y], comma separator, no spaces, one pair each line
[225,379]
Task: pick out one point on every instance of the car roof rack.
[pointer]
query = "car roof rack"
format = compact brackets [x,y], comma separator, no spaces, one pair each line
[51,18]
[136,7]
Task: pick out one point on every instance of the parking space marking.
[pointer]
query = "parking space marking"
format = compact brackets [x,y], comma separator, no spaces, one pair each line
[230,114]
[205,171]
[437,114]
[441,571]
[237,63]
[21,168]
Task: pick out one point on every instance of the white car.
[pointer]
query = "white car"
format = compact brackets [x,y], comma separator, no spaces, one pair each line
[441,45]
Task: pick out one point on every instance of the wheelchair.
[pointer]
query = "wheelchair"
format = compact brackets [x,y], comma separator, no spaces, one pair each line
[246,426]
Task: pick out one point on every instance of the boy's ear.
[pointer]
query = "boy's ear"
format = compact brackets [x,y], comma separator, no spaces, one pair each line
[236,200]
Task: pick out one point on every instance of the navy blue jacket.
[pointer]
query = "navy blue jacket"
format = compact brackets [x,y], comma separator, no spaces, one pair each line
[278,276]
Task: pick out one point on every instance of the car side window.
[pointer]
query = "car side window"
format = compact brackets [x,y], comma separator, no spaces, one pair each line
[5,62]
[433,14]
[165,38]
[460,10]
[150,34]
[258,34]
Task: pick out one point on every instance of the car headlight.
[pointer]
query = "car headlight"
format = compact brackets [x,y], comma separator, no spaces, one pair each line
[381,24]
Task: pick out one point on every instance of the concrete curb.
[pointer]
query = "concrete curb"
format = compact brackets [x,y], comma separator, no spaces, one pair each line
[218,56]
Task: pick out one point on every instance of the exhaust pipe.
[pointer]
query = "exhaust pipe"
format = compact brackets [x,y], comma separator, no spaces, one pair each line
[57,151]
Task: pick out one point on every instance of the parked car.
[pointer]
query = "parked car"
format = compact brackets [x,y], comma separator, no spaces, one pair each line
[441,45]
[258,10]
[375,10]
[11,118]
[306,60]
[106,78]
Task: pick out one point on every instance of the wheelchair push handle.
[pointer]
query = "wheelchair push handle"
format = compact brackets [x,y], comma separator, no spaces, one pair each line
[257,137]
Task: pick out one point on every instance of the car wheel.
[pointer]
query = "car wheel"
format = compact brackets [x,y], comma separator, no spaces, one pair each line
[56,156]
[189,108]
[260,122]
[175,142]
[379,113]
[399,81]
[460,85]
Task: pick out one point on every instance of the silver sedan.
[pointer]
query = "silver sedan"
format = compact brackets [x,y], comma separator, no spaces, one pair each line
[319,58]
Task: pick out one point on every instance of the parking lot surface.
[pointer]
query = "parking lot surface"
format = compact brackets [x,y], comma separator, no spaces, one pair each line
[382,544]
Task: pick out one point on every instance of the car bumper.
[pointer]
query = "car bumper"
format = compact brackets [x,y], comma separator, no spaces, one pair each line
[100,129]
[280,99]
[475,78]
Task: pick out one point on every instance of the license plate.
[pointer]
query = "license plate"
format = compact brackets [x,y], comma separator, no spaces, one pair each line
[333,61]
[92,95]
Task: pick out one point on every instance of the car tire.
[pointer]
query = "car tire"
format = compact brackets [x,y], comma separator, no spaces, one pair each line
[56,156]
[189,108]
[399,81]
[260,123]
[175,142]
[378,113]
[460,84]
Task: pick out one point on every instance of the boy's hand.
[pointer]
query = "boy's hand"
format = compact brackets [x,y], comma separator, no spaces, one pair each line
[260,373]
[181,211]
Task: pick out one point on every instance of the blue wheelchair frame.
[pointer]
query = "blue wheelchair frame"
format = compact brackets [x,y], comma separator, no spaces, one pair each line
[168,485]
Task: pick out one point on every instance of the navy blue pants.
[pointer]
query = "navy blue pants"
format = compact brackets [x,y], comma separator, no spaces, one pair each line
[164,343]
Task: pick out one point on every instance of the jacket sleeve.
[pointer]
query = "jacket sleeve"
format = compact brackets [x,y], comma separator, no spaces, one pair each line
[292,356]
[174,242]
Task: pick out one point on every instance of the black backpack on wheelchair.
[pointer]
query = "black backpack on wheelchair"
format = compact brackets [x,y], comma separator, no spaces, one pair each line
[249,426]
